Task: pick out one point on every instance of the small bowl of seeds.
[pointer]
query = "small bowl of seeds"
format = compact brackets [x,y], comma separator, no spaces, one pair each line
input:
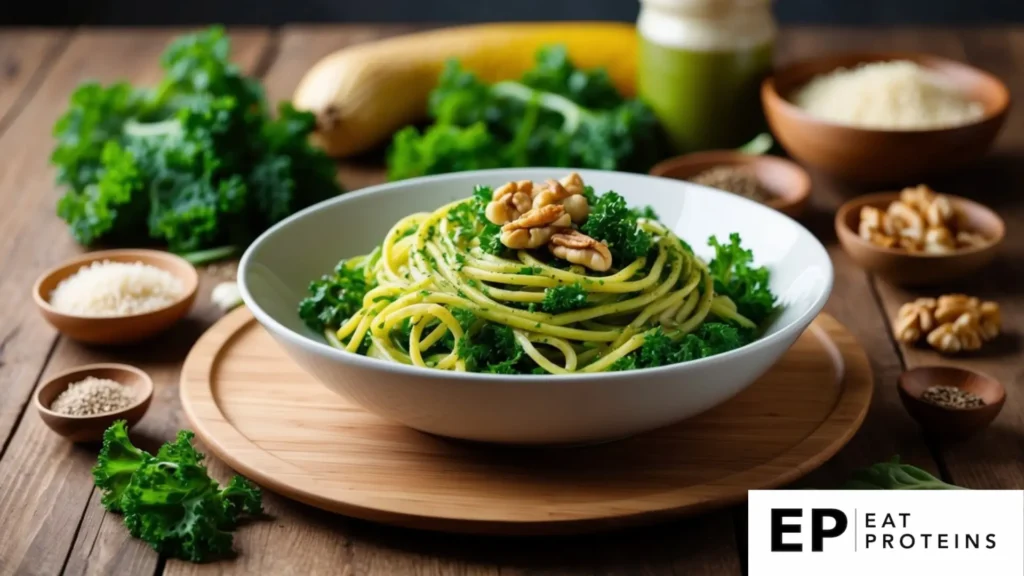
[771,180]
[951,404]
[80,404]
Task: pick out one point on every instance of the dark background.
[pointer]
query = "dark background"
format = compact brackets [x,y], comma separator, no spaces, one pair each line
[276,12]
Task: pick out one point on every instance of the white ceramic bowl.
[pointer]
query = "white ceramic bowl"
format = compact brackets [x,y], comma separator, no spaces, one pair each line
[276,269]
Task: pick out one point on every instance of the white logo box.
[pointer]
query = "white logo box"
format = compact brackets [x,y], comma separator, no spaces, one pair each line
[904,532]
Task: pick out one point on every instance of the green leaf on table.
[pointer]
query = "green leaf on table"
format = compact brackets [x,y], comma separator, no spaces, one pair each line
[894,475]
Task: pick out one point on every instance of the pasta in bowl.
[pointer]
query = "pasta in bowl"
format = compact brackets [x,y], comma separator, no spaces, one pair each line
[536,305]
[539,278]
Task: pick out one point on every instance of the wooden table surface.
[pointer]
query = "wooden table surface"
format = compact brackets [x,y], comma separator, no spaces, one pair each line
[51,520]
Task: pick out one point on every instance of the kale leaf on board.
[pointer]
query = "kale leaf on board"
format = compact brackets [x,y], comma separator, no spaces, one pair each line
[195,163]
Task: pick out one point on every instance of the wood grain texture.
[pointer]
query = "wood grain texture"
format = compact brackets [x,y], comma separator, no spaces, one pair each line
[49,479]
[270,420]
[25,58]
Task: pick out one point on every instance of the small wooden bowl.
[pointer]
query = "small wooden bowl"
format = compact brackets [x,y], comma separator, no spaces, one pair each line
[91,428]
[902,268]
[788,183]
[117,329]
[944,423]
[882,156]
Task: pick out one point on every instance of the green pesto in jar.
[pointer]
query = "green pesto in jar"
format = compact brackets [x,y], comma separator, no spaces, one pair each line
[704,99]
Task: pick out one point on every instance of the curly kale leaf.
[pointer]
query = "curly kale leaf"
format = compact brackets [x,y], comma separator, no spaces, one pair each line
[292,174]
[710,339]
[647,212]
[118,461]
[335,298]
[169,500]
[614,223]
[564,298]
[441,148]
[627,362]
[461,99]
[554,72]
[95,115]
[492,348]
[661,348]
[469,219]
[736,278]
[197,65]
[623,138]
[112,206]
[173,505]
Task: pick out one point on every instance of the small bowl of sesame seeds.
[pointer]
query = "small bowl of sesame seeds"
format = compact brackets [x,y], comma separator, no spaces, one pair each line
[80,404]
[771,180]
[951,404]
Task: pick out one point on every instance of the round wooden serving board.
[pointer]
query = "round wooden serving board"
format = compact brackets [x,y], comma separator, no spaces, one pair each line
[258,411]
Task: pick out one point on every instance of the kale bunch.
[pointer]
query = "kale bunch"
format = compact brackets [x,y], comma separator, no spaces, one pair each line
[168,499]
[195,163]
[555,115]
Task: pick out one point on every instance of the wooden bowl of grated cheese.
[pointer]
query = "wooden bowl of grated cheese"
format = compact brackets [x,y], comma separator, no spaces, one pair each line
[884,117]
[116,296]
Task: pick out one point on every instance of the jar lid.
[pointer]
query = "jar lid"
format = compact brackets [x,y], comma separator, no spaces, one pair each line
[707,25]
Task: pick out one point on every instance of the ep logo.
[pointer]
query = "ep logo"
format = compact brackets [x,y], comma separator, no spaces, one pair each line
[787,528]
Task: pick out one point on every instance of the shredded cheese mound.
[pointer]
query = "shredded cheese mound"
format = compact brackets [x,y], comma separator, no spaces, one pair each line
[105,289]
[895,95]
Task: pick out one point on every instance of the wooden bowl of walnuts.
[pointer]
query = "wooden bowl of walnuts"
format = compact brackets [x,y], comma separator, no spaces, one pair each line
[917,237]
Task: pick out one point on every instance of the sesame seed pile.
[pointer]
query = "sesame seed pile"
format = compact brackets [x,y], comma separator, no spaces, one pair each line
[952,397]
[93,396]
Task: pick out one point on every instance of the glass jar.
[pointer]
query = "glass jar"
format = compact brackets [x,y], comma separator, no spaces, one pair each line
[701,63]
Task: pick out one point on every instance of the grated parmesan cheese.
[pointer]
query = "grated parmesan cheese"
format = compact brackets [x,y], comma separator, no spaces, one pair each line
[896,95]
[105,289]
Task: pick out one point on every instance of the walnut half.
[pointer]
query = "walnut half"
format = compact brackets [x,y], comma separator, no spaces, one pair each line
[534,228]
[914,320]
[964,334]
[581,249]
[569,193]
[509,202]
